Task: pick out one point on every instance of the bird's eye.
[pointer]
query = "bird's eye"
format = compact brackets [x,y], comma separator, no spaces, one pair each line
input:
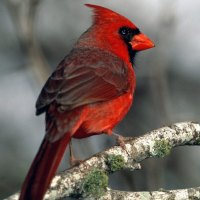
[128,33]
[124,31]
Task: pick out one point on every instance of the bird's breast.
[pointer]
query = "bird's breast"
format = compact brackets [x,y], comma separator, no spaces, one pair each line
[104,116]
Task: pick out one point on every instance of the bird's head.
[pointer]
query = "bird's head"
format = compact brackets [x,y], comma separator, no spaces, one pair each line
[114,32]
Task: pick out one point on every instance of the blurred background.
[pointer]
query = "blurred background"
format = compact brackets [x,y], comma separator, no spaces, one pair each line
[36,34]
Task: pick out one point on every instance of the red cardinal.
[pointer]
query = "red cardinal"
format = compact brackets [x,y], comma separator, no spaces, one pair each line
[89,93]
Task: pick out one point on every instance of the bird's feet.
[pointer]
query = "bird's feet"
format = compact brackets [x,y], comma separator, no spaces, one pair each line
[120,140]
[74,161]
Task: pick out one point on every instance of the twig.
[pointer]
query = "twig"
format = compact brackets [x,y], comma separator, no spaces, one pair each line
[157,143]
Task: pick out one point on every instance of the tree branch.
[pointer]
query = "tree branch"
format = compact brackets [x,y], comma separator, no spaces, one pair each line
[181,194]
[157,143]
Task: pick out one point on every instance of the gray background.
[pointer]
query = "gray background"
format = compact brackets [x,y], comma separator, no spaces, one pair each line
[167,84]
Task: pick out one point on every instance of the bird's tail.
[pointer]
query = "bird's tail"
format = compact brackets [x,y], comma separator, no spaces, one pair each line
[43,168]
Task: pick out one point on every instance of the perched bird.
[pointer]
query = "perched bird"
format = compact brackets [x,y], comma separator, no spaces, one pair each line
[89,93]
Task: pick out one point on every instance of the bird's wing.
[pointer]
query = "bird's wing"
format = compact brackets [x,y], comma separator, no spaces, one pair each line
[86,76]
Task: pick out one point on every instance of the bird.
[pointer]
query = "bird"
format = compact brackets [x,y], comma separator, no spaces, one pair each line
[89,92]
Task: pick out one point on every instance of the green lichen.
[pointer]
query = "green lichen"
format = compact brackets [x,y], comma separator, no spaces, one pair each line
[94,184]
[198,142]
[115,162]
[161,148]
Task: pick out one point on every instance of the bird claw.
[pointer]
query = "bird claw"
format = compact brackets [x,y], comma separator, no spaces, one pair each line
[120,142]
[75,162]
[72,160]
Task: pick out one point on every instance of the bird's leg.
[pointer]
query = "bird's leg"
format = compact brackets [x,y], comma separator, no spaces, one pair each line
[72,160]
[120,140]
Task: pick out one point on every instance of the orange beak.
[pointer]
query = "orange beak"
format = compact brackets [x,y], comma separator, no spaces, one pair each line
[141,42]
